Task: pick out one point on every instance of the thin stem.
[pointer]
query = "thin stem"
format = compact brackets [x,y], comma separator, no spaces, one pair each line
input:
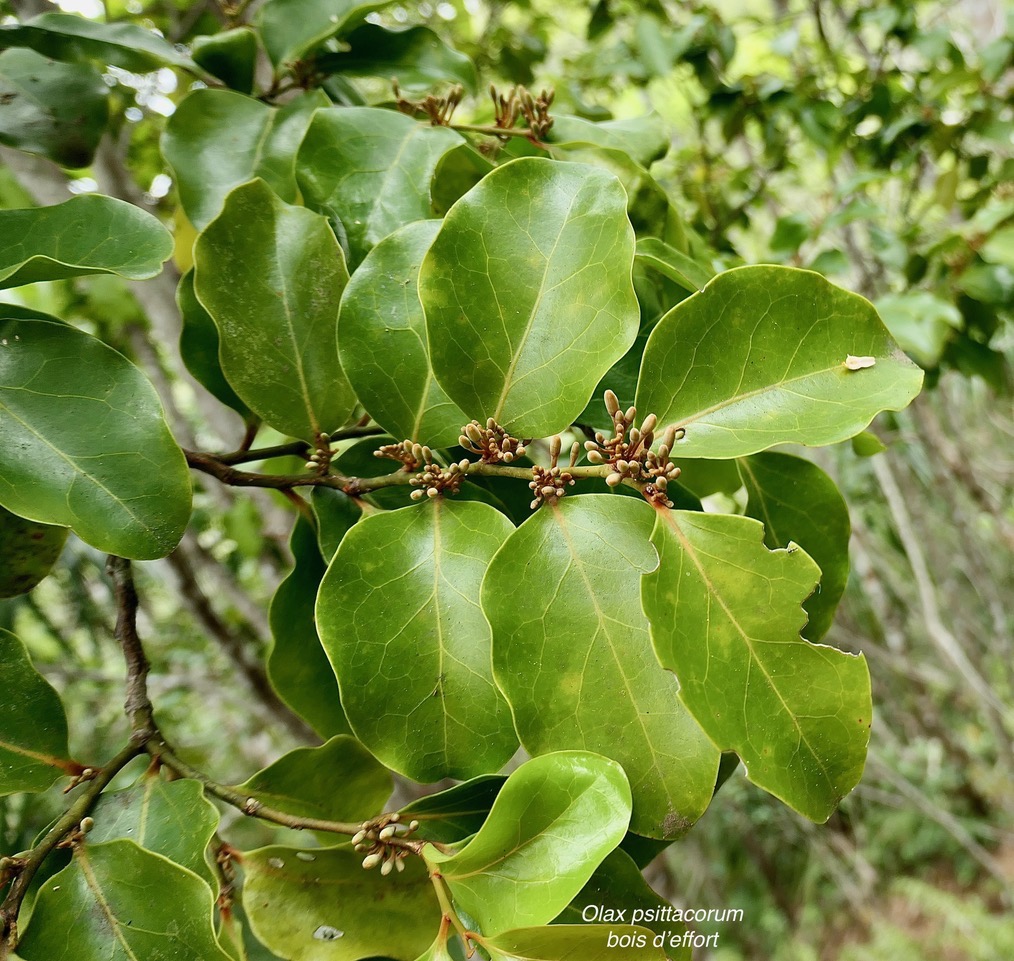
[444,900]
[137,705]
[298,448]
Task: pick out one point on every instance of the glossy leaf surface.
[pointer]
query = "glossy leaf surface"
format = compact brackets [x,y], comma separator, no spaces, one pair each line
[88,234]
[28,552]
[797,502]
[63,36]
[383,346]
[575,661]
[325,907]
[338,781]
[725,617]
[398,613]
[33,727]
[534,259]
[371,169]
[758,358]
[292,28]
[83,443]
[454,814]
[297,665]
[171,818]
[118,902]
[570,942]
[271,276]
[219,139]
[554,821]
[58,110]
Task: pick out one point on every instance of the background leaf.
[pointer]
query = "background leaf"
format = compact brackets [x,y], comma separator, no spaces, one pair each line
[383,346]
[54,109]
[578,566]
[289,900]
[725,618]
[371,169]
[757,359]
[554,821]
[398,613]
[28,552]
[33,727]
[297,665]
[219,139]
[797,502]
[338,781]
[589,942]
[117,902]
[271,276]
[83,443]
[171,818]
[456,813]
[536,256]
[88,234]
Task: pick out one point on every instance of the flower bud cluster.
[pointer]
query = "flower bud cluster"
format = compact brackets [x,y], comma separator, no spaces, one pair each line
[519,102]
[551,483]
[411,454]
[320,458]
[491,442]
[374,838]
[436,480]
[629,451]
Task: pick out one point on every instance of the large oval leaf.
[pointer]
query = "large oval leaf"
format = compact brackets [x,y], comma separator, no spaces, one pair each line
[58,110]
[798,503]
[117,902]
[219,139]
[398,614]
[758,358]
[725,617]
[382,342]
[371,169]
[88,234]
[321,905]
[554,821]
[578,566]
[297,665]
[271,275]
[536,257]
[83,443]
[33,727]
[28,552]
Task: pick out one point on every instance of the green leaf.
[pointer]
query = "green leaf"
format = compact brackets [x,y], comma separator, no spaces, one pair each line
[63,36]
[219,139]
[83,443]
[325,907]
[335,513]
[230,55]
[456,813]
[398,614]
[589,942]
[338,781]
[28,552]
[578,565]
[88,234]
[199,345]
[371,169]
[867,444]
[552,824]
[725,618]
[758,358]
[798,503]
[921,322]
[643,139]
[297,665]
[382,342]
[618,885]
[171,818]
[290,29]
[678,267]
[536,256]
[33,727]
[118,902]
[276,309]
[54,109]
[415,56]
